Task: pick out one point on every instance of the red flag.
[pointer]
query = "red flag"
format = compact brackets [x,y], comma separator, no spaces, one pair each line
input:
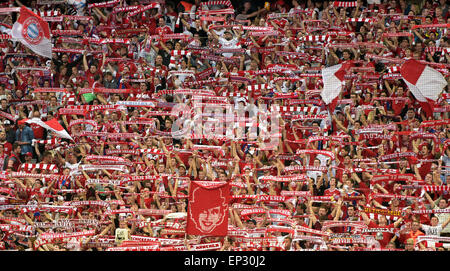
[424,82]
[208,208]
[333,78]
[33,32]
[52,125]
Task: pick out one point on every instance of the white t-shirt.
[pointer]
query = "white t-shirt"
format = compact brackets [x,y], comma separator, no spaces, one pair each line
[228,44]
[314,175]
[183,77]
[323,159]
[442,218]
[432,230]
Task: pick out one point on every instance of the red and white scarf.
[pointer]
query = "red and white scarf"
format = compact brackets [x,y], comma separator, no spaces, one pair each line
[104,4]
[346,4]
[397,156]
[217,3]
[30,167]
[290,178]
[142,9]
[317,152]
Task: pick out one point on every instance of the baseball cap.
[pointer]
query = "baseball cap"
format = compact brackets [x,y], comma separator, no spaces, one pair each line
[28,154]
[7,122]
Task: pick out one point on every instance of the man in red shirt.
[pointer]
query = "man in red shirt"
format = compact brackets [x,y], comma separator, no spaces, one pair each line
[91,71]
[323,214]
[332,191]
[38,130]
[340,122]
[6,145]
[383,236]
[13,160]
[162,27]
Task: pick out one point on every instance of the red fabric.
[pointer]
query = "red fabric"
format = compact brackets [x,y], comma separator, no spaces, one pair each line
[38,131]
[386,235]
[53,123]
[90,76]
[26,13]
[208,208]
[411,70]
[8,148]
[332,192]
[427,107]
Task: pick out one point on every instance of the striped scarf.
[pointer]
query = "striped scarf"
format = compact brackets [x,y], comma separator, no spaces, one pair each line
[317,38]
[433,49]
[258,87]
[52,141]
[305,110]
[235,94]
[175,58]
[29,167]
[436,188]
[142,9]
[217,3]
[50,13]
[345,4]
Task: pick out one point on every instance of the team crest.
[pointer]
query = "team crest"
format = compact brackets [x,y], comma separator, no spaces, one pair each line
[32,31]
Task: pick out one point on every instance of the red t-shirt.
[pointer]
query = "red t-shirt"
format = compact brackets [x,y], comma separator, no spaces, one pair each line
[425,167]
[398,106]
[90,76]
[147,201]
[243,165]
[38,131]
[8,148]
[335,127]
[387,236]
[163,30]
[290,136]
[332,192]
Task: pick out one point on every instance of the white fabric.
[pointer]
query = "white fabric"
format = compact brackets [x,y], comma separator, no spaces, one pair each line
[430,83]
[60,133]
[44,48]
[229,44]
[332,86]
[415,91]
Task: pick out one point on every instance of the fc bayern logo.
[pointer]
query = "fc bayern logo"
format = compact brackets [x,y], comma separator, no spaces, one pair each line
[32,31]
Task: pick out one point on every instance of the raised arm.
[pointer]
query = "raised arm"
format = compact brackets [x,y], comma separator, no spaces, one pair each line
[446,222]
[430,200]
[365,218]
[213,33]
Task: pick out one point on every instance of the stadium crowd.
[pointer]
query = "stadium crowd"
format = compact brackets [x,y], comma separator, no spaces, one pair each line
[370,174]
